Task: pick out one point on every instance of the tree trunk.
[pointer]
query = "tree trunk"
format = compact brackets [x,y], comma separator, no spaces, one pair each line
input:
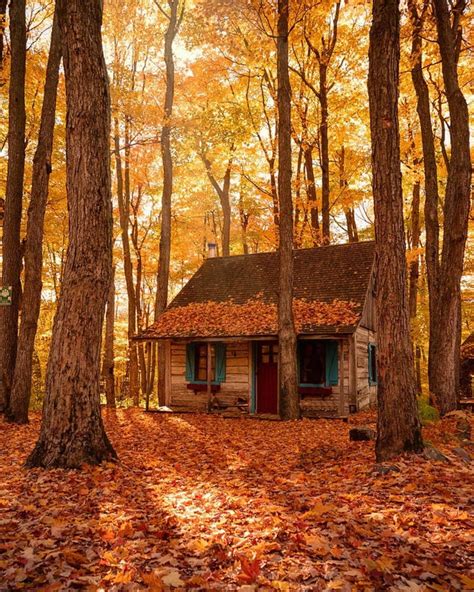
[398,424]
[312,198]
[352,234]
[445,354]
[224,198]
[415,241]
[31,300]
[72,432]
[289,400]
[323,130]
[108,363]
[124,209]
[11,266]
[244,222]
[162,279]
[3,13]
[430,177]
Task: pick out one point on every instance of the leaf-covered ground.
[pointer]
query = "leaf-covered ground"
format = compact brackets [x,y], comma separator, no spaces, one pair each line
[201,502]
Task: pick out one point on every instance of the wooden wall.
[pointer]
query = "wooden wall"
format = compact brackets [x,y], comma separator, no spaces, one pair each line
[366,394]
[353,388]
[236,385]
[332,406]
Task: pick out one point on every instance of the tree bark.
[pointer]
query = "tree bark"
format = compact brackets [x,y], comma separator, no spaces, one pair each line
[31,299]
[312,197]
[224,198]
[72,432]
[3,13]
[289,400]
[11,266]
[162,279]
[445,354]
[323,130]
[124,210]
[430,176]
[398,424]
[108,363]
[415,242]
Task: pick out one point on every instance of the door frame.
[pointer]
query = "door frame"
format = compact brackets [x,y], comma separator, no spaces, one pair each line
[255,346]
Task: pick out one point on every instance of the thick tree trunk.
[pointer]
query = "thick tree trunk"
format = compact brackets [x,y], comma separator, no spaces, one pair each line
[289,400]
[162,279]
[398,424]
[108,363]
[31,300]
[72,432]
[11,269]
[124,211]
[445,354]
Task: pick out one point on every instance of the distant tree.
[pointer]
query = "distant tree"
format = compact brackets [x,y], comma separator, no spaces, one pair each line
[444,355]
[72,431]
[108,360]
[289,400]
[12,251]
[174,17]
[398,424]
[31,300]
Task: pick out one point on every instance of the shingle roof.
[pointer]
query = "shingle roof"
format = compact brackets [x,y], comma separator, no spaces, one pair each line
[467,348]
[322,274]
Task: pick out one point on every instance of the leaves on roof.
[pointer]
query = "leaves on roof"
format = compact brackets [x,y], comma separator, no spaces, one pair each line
[254,317]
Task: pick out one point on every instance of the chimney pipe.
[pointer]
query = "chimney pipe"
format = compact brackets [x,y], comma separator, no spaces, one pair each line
[211,250]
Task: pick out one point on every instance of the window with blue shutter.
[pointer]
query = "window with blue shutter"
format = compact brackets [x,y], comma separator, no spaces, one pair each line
[318,363]
[196,363]
[372,355]
[332,363]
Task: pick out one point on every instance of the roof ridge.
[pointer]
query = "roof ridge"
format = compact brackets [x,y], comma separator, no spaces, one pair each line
[353,244]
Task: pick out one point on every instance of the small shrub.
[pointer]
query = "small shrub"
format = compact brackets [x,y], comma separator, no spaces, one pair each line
[428,413]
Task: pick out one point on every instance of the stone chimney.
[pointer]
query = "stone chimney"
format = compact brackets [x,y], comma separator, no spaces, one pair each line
[211,250]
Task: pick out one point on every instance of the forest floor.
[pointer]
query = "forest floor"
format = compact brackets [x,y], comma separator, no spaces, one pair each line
[206,503]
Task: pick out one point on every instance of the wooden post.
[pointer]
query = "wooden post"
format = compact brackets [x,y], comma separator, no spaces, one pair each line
[341,380]
[209,376]
[148,372]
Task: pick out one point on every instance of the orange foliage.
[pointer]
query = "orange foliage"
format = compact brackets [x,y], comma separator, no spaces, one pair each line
[199,502]
[254,317]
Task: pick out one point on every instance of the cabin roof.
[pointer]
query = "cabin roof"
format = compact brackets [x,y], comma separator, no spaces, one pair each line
[238,295]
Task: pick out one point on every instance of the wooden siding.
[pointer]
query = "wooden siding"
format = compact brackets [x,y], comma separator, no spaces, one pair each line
[236,385]
[332,406]
[366,393]
[238,382]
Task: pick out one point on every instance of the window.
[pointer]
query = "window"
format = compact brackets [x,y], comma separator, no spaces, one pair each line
[269,353]
[196,362]
[319,362]
[372,363]
[312,362]
[200,362]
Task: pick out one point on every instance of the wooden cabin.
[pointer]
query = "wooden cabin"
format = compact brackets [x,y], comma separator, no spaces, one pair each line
[220,333]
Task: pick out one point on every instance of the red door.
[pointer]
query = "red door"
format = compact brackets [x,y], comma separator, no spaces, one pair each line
[267,377]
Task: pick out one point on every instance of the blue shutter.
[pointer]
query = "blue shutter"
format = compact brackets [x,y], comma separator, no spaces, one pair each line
[372,362]
[332,363]
[190,357]
[220,350]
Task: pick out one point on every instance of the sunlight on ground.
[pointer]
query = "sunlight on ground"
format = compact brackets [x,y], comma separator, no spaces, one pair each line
[200,502]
